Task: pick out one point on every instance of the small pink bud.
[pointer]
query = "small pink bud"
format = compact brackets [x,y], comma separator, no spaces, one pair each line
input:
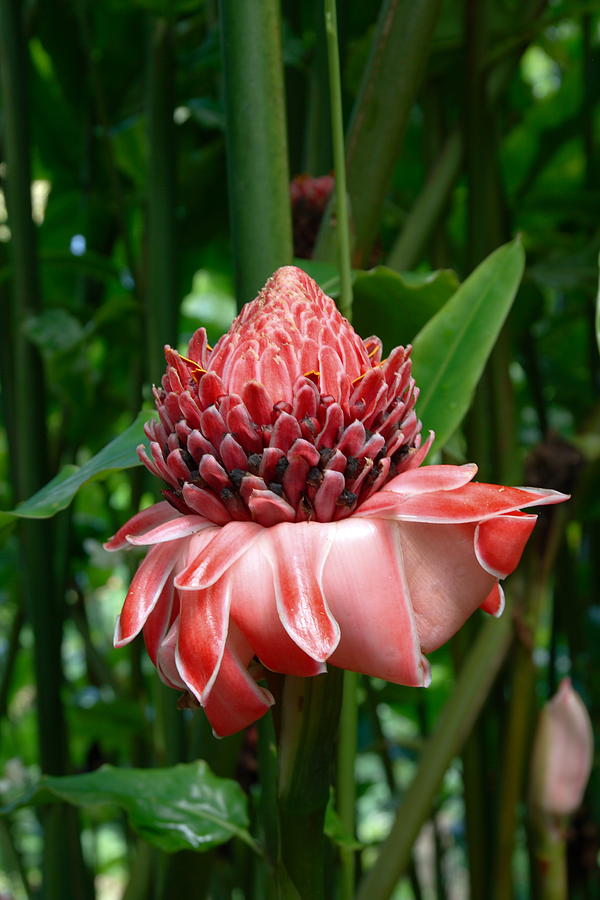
[562,753]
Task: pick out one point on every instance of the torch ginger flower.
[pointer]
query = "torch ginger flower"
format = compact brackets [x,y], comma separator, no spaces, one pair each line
[297,526]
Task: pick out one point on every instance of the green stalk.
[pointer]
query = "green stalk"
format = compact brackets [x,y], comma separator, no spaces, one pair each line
[381,747]
[13,644]
[520,713]
[428,206]
[339,160]
[257,163]
[431,202]
[317,149]
[346,779]
[389,87]
[484,233]
[549,863]
[28,448]
[160,295]
[455,723]
[310,711]
[267,765]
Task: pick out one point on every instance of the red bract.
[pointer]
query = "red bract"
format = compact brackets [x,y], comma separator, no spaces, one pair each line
[297,527]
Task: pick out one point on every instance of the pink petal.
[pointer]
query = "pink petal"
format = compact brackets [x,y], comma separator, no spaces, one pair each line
[258,402]
[145,590]
[327,495]
[216,557]
[210,389]
[232,454]
[166,664]
[432,478]
[203,627]
[445,579]
[297,553]
[416,457]
[269,509]
[254,610]
[141,523]
[181,527]
[471,503]
[499,542]
[330,372]
[365,584]
[332,427]
[236,700]
[198,348]
[206,504]
[494,602]
[285,431]
[160,619]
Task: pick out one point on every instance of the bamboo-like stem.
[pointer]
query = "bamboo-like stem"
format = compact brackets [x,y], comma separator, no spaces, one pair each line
[257,163]
[160,298]
[114,179]
[310,711]
[62,866]
[455,723]
[429,205]
[346,780]
[13,643]
[388,90]
[548,857]
[431,201]
[317,151]
[518,727]
[381,747]
[267,763]
[339,160]
[483,234]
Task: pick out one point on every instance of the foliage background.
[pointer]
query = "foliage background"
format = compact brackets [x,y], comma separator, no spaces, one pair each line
[117,111]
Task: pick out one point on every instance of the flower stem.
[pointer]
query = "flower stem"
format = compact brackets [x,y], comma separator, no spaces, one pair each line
[548,858]
[390,83]
[346,793]
[456,721]
[257,159]
[518,722]
[339,160]
[64,874]
[310,712]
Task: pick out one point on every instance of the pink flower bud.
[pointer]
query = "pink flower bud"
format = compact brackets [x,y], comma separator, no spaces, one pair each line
[562,753]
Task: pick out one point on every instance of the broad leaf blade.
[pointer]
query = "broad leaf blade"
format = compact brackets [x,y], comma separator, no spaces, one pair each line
[178,808]
[59,492]
[396,306]
[450,352]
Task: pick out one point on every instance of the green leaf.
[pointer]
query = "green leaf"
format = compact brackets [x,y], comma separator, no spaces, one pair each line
[58,493]
[450,352]
[335,830]
[54,331]
[178,808]
[397,306]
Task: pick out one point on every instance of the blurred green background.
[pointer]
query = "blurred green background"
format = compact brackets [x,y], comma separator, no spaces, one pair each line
[114,113]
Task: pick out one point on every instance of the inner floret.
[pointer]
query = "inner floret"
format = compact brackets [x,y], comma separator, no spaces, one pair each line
[291,417]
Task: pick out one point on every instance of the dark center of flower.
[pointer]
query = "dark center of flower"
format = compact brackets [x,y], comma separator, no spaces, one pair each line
[229,449]
[311,458]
